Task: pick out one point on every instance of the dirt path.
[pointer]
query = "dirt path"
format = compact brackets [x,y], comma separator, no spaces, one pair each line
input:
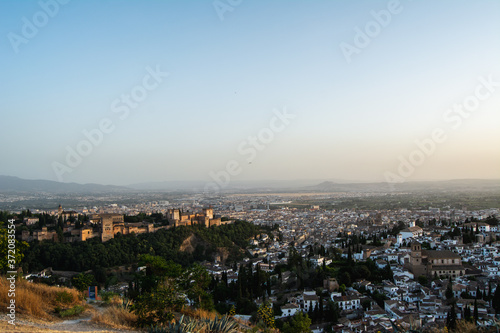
[80,324]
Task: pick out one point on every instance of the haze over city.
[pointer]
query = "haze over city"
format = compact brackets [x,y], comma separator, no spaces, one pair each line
[156,91]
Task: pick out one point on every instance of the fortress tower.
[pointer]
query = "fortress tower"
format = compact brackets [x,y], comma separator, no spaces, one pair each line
[106,228]
[209,212]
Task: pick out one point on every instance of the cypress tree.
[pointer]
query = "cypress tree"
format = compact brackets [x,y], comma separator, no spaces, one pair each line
[451,319]
[476,312]
[496,300]
[321,312]
[467,313]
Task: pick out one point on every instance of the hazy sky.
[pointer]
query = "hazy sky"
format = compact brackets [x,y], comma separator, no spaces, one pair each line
[356,84]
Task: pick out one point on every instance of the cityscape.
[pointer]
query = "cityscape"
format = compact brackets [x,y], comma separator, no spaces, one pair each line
[431,261]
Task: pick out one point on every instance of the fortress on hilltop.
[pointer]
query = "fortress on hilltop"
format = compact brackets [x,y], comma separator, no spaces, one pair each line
[107,225]
[177,217]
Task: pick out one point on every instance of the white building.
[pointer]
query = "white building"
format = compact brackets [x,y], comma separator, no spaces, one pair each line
[30,220]
[289,310]
[317,260]
[310,299]
[411,232]
[347,302]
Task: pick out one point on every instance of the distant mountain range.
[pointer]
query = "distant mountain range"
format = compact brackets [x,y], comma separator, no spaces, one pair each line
[235,185]
[416,186]
[15,184]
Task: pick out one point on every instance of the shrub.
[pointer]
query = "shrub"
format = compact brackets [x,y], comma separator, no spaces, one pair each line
[64,297]
[74,311]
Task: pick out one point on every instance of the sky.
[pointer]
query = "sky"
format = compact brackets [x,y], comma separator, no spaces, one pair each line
[122,92]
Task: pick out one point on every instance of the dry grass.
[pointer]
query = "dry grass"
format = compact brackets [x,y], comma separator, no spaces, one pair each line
[462,327]
[466,327]
[115,300]
[38,300]
[115,316]
[199,313]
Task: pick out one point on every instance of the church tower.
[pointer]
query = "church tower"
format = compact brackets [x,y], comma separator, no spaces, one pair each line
[416,265]
[416,254]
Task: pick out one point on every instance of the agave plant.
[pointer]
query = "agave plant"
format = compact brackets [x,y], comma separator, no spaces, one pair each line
[221,325]
[183,325]
[190,325]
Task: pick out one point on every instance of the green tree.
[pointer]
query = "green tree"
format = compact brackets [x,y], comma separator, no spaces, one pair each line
[366,304]
[232,311]
[467,313]
[265,314]
[294,258]
[479,294]
[157,306]
[387,272]
[345,278]
[379,298]
[496,300]
[157,269]
[449,291]
[333,312]
[451,318]
[423,280]
[195,281]
[299,323]
[83,281]
[342,288]
[321,314]
[476,312]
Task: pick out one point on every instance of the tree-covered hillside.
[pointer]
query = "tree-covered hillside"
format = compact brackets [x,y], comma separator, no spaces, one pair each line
[125,249]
